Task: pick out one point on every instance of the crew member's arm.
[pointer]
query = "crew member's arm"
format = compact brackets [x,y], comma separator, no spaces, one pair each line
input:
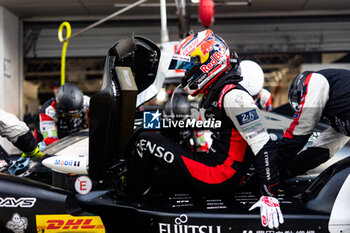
[241,109]
[314,98]
[18,133]
[324,147]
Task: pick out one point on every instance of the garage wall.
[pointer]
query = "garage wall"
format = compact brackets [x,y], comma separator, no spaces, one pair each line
[244,37]
[10,76]
[9,62]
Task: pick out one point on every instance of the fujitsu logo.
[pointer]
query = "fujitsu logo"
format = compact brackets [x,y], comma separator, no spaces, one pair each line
[181,227]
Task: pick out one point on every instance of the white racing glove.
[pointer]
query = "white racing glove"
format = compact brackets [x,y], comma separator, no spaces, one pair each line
[270,211]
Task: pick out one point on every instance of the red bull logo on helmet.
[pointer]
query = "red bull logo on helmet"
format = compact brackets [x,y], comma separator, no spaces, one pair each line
[214,60]
[203,50]
[207,46]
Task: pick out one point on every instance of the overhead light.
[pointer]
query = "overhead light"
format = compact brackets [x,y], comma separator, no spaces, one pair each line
[234,3]
[194,2]
[143,4]
[241,3]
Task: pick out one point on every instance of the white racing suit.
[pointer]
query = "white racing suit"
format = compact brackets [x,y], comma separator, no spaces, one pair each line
[242,111]
[326,96]
[17,132]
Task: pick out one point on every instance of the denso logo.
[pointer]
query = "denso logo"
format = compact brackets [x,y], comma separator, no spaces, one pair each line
[23,202]
[191,46]
[179,226]
[154,149]
[213,61]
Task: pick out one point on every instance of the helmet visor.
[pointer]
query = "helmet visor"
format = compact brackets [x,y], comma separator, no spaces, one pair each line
[181,62]
[70,116]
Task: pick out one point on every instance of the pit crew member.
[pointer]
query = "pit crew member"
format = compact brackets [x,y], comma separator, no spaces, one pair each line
[253,81]
[62,115]
[314,96]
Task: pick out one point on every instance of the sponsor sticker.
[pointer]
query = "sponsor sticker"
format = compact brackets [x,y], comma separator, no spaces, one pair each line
[83,184]
[214,59]
[182,57]
[247,117]
[278,231]
[17,224]
[63,162]
[11,202]
[252,127]
[181,225]
[254,134]
[65,222]
[154,149]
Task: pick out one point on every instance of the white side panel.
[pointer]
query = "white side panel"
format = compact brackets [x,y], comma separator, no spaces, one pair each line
[72,159]
[67,164]
[340,217]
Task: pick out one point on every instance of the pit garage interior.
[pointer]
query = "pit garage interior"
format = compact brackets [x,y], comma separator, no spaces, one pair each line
[284,37]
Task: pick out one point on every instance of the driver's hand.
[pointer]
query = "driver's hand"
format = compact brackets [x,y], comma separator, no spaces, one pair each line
[270,212]
[35,155]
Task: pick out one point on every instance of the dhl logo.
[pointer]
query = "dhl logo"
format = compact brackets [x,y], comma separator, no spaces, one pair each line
[69,223]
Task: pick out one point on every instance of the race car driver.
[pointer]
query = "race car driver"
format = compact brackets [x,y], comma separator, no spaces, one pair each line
[253,82]
[62,115]
[314,96]
[241,137]
[18,133]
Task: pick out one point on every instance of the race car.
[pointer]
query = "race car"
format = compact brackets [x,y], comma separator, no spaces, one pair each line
[318,202]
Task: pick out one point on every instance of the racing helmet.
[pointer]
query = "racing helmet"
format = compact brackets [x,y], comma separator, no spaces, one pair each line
[296,90]
[204,56]
[69,101]
[253,77]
